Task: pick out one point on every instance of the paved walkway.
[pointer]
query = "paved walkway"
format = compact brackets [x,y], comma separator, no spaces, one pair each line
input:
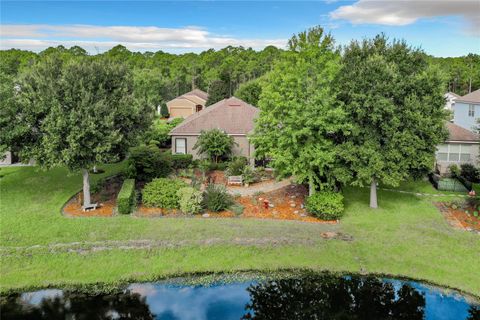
[259,187]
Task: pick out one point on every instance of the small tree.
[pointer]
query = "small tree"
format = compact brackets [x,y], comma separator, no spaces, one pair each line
[215,144]
[164,110]
[76,115]
[218,90]
[250,92]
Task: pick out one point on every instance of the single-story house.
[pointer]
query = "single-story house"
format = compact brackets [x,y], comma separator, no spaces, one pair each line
[466,111]
[462,146]
[187,104]
[233,116]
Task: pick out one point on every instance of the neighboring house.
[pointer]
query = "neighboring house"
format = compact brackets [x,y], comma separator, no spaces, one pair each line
[450,98]
[462,146]
[234,116]
[187,104]
[466,110]
[6,158]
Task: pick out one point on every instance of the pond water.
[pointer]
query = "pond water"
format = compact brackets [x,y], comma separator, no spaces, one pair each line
[314,296]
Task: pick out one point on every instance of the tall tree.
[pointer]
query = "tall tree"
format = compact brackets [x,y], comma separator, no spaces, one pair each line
[394,102]
[218,90]
[75,114]
[299,123]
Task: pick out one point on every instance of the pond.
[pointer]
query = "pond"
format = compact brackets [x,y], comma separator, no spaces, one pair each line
[310,296]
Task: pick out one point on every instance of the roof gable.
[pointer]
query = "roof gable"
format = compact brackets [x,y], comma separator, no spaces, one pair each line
[195,93]
[234,116]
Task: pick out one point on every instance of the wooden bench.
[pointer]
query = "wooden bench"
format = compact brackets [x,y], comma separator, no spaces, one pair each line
[238,180]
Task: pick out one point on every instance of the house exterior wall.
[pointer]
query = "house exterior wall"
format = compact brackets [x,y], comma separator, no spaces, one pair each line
[463,118]
[182,108]
[6,158]
[243,148]
[452,147]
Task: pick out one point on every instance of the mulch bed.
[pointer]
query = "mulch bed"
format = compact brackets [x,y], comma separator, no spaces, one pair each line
[284,204]
[458,218]
[106,199]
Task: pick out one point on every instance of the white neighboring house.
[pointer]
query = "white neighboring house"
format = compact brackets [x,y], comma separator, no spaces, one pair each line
[450,98]
[466,110]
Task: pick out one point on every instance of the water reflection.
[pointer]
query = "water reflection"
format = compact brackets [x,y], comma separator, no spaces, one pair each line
[313,296]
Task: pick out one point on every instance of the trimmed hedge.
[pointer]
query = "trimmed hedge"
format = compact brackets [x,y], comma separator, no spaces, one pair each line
[126,197]
[181,161]
[162,193]
[148,162]
[326,205]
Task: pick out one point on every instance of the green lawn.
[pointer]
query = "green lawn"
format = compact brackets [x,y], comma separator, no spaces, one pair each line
[39,247]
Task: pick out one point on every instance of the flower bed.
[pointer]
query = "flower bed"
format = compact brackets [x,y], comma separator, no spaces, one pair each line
[459,218]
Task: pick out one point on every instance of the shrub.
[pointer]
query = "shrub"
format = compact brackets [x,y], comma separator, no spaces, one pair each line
[218,166]
[326,205]
[248,175]
[216,198]
[454,170]
[162,193]
[190,200]
[181,161]
[126,197]
[148,162]
[469,172]
[215,144]
[237,209]
[236,166]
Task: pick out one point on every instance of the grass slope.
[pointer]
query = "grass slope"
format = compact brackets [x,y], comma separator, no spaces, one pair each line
[405,237]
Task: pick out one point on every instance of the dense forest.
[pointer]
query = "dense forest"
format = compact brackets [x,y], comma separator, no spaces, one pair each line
[160,76]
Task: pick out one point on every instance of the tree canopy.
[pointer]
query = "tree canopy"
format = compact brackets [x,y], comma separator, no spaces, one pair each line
[394,102]
[299,121]
[215,144]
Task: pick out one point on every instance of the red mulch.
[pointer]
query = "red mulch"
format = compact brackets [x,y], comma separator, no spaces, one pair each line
[106,199]
[458,218]
[286,203]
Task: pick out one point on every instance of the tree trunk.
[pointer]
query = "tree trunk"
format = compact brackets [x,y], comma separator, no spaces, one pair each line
[95,169]
[86,188]
[311,187]
[373,194]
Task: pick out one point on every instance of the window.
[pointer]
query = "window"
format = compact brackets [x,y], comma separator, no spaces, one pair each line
[180,145]
[454,153]
[198,108]
[471,110]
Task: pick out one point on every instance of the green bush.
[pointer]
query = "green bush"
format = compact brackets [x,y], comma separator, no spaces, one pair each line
[148,162]
[181,161]
[216,198]
[237,209]
[190,200]
[126,197]
[248,175]
[162,193]
[326,205]
[454,170]
[469,172]
[218,166]
[236,166]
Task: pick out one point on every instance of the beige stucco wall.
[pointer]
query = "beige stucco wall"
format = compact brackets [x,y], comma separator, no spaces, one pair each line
[442,166]
[244,147]
[184,107]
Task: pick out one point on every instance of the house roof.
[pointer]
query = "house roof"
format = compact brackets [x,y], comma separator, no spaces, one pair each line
[449,93]
[195,92]
[473,96]
[457,133]
[234,116]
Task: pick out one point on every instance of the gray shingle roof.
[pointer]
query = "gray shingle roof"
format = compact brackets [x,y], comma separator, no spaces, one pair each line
[473,96]
[234,116]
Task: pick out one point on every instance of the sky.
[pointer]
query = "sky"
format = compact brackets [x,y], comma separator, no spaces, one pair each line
[439,27]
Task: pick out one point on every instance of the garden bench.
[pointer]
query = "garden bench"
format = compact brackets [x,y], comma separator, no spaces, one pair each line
[235,180]
[91,206]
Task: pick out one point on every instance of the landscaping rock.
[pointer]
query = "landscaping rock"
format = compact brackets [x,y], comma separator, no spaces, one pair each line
[271,205]
[303,215]
[205,215]
[293,197]
[260,199]
[296,211]
[293,205]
